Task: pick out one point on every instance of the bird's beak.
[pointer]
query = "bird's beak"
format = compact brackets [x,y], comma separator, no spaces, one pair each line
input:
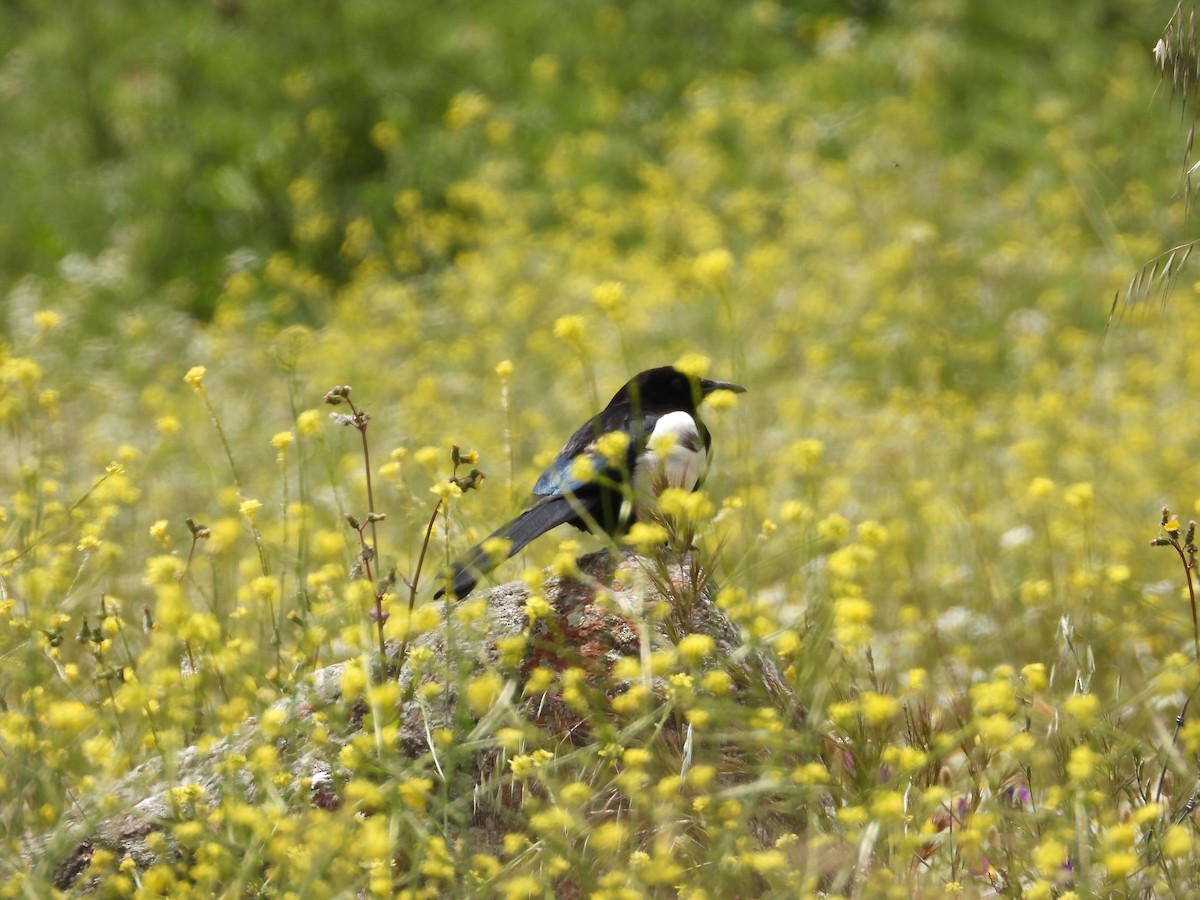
[707,386]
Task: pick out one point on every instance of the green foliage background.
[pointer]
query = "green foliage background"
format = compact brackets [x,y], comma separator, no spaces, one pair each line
[899,225]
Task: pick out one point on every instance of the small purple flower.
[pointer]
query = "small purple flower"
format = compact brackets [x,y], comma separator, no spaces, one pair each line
[1018,794]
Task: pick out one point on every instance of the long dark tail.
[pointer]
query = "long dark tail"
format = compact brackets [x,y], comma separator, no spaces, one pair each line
[534,522]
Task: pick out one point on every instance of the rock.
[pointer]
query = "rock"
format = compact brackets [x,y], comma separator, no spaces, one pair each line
[611,609]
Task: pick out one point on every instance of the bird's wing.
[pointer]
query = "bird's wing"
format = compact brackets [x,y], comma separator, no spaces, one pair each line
[559,477]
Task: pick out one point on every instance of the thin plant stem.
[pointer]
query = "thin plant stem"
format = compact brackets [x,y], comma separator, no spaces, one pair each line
[416,579]
[302,494]
[1179,720]
[360,419]
[370,489]
[366,554]
[1186,551]
[212,414]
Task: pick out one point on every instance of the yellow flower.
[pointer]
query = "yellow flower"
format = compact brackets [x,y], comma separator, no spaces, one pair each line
[1120,837]
[905,759]
[446,491]
[272,721]
[1035,676]
[698,717]
[353,681]
[872,533]
[713,267]
[466,107]
[1083,708]
[484,866]
[1082,764]
[718,682]
[45,319]
[537,607]
[385,135]
[308,422]
[1041,487]
[48,400]
[609,297]
[1049,857]
[425,619]
[249,509]
[496,547]
[158,531]
[888,807]
[787,642]
[1118,574]
[69,715]
[995,696]
[632,701]
[523,765]
[521,887]
[811,773]
[195,377]
[545,69]
[1177,842]
[428,456]
[767,861]
[722,400]
[878,708]
[302,191]
[372,840]
[1148,813]
[570,329]
[833,528]
[694,364]
[163,569]
[842,712]
[636,757]
[852,611]
[853,815]
[583,469]
[805,455]
[613,446]
[646,536]
[266,588]
[483,691]
[1120,864]
[609,836]
[1079,495]
[281,441]
[157,880]
[851,619]
[414,792]
[695,647]
[916,679]
[996,729]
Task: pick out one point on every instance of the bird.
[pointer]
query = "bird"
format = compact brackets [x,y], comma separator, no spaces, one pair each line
[648,437]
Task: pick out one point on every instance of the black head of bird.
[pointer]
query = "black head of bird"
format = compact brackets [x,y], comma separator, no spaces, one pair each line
[665,444]
[667,388]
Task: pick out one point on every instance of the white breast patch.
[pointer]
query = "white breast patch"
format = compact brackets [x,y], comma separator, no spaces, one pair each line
[674,456]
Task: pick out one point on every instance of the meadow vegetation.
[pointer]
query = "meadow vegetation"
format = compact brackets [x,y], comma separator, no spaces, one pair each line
[899,225]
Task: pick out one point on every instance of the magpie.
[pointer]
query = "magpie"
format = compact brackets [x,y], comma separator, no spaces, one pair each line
[648,437]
